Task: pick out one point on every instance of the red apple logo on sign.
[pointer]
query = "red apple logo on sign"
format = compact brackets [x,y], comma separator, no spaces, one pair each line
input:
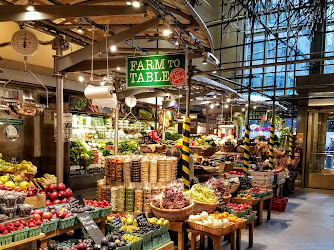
[178,76]
[264,117]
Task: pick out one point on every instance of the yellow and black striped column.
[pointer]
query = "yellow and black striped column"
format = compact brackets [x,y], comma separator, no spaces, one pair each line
[271,147]
[246,149]
[291,144]
[186,152]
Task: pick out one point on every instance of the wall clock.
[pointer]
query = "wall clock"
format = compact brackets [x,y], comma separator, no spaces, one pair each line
[25,42]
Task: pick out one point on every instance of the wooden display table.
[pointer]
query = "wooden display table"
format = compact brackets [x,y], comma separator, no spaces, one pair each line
[215,238]
[167,246]
[43,241]
[22,242]
[180,228]
[259,208]
[250,224]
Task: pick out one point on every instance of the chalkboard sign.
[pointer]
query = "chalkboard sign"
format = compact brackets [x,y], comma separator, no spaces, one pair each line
[141,219]
[117,222]
[228,143]
[221,204]
[243,182]
[76,202]
[92,229]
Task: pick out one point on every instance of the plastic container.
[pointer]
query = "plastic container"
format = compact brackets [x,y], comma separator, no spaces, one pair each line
[24,209]
[94,213]
[6,239]
[136,245]
[34,231]
[10,200]
[105,211]
[10,211]
[50,226]
[21,197]
[68,222]
[21,234]
[279,204]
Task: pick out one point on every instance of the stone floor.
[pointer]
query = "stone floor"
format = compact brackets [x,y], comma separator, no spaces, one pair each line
[306,224]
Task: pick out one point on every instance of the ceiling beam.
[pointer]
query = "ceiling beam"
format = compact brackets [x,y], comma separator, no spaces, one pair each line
[173,102]
[156,93]
[84,53]
[116,27]
[43,12]
[267,65]
[130,92]
[113,62]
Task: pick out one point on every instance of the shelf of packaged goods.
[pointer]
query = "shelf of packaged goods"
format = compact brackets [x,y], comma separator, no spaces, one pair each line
[92,126]
[97,140]
[15,244]
[43,241]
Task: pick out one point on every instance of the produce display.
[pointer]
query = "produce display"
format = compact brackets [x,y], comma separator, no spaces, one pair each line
[218,186]
[246,196]
[259,192]
[172,197]
[46,180]
[56,194]
[243,211]
[210,221]
[203,194]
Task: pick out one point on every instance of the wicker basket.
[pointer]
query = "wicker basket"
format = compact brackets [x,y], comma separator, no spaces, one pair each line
[228,166]
[245,201]
[227,198]
[208,207]
[240,224]
[203,150]
[173,214]
[252,149]
[211,230]
[234,187]
[228,149]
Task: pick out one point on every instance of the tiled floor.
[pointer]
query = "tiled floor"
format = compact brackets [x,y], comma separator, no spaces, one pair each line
[306,224]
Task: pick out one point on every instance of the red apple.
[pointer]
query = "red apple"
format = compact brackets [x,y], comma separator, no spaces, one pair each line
[60,214]
[64,200]
[53,196]
[38,222]
[43,192]
[17,224]
[48,202]
[3,187]
[31,224]
[38,211]
[30,193]
[47,215]
[61,187]
[2,228]
[56,202]
[62,194]
[23,222]
[51,188]
[37,217]
[68,193]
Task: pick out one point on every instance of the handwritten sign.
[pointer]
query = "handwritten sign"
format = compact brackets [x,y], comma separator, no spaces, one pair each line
[117,222]
[76,202]
[221,204]
[141,219]
[89,224]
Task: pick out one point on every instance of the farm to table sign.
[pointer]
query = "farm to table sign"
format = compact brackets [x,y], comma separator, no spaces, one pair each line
[157,70]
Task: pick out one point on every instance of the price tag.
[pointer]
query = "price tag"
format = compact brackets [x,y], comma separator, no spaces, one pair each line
[221,204]
[117,222]
[243,183]
[76,202]
[141,219]
[89,224]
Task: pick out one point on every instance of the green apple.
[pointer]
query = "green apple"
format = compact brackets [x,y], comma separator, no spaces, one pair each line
[24,185]
[10,184]
[129,221]
[4,179]
[109,219]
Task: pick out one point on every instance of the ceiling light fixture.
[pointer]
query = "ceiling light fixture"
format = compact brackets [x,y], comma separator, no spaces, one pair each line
[118,68]
[243,109]
[214,96]
[81,79]
[80,30]
[226,106]
[102,83]
[214,72]
[31,8]
[228,99]
[254,107]
[212,106]
[136,4]
[166,32]
[113,48]
[128,3]
[246,105]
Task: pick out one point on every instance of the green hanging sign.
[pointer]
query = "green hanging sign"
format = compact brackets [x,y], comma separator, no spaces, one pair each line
[156,70]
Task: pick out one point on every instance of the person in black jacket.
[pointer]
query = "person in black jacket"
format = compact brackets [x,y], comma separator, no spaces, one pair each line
[330,154]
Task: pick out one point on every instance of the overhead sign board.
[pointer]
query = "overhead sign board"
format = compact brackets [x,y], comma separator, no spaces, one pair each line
[156,70]
[258,115]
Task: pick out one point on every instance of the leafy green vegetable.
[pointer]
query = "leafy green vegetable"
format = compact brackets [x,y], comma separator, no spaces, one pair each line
[74,155]
[106,152]
[124,147]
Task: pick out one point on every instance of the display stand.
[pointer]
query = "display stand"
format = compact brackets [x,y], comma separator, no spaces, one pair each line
[167,246]
[259,208]
[43,241]
[250,224]
[215,238]
[22,242]
[180,228]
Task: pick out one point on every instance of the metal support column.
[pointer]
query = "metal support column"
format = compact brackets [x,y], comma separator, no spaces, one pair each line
[207,119]
[58,46]
[164,120]
[291,137]
[186,134]
[116,130]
